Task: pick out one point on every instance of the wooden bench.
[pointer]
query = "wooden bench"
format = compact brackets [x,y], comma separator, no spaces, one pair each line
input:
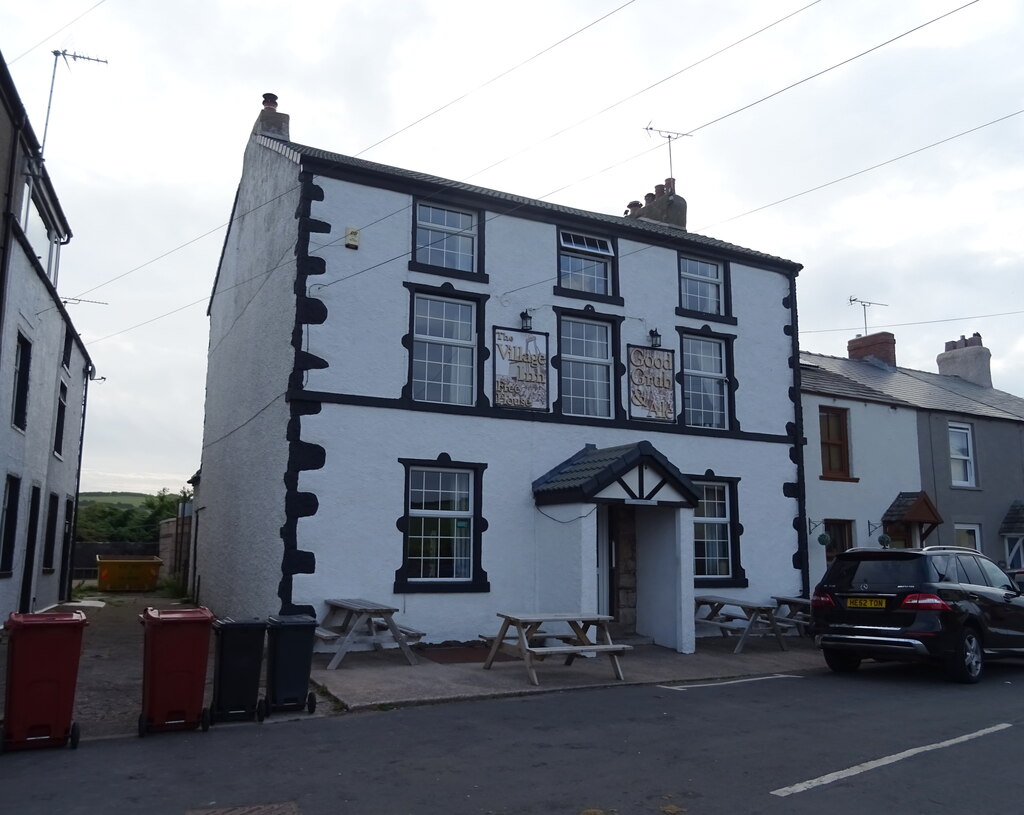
[329,634]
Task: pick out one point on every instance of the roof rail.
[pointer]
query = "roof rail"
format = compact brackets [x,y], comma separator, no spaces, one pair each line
[944,548]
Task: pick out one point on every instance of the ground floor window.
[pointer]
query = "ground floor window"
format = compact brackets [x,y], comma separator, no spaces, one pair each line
[442,526]
[716,550]
[968,535]
[840,537]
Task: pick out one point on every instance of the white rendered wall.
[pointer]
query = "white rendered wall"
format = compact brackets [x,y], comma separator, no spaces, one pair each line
[29,454]
[240,505]
[883,459]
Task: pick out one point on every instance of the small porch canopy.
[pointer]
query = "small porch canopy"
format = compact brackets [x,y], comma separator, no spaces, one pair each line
[629,474]
[913,508]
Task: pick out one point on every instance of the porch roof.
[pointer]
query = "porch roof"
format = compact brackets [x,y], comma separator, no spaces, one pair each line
[913,507]
[639,473]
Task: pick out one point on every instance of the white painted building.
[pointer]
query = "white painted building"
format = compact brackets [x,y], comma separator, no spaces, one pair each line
[460,401]
[44,370]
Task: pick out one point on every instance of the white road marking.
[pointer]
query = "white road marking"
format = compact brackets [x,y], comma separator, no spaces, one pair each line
[730,682]
[881,762]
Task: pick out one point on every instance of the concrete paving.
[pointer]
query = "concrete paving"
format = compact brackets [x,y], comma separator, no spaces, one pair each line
[108,696]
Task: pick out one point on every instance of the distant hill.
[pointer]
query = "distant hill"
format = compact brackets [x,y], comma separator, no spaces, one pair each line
[120,499]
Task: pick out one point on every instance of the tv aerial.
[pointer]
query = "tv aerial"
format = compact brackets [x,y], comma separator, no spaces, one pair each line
[53,78]
[864,305]
[671,135]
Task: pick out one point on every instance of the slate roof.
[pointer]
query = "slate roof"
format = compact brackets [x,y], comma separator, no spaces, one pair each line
[619,224]
[584,474]
[1013,523]
[921,389]
[814,379]
[912,506]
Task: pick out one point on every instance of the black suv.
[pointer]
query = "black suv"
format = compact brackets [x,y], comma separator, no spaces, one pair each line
[942,603]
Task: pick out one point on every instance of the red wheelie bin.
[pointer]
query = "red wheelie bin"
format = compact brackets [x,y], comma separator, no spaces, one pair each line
[42,671]
[177,649]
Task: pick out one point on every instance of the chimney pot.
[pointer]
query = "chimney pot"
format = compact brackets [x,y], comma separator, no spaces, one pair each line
[670,186]
[649,197]
[270,101]
[659,190]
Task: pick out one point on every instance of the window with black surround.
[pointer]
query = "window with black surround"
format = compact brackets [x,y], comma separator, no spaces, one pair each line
[9,524]
[588,364]
[586,267]
[704,289]
[706,373]
[445,345]
[447,241]
[22,370]
[50,539]
[716,549]
[442,527]
[62,410]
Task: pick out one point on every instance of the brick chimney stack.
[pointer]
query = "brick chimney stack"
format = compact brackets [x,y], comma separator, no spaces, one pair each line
[270,123]
[968,359]
[662,205]
[880,347]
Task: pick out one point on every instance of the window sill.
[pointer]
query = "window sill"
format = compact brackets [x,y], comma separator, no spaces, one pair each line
[442,271]
[849,479]
[576,294]
[706,315]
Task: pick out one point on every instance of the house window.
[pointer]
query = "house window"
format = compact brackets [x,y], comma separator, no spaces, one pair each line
[50,542]
[9,524]
[446,238]
[712,548]
[835,449]
[58,430]
[705,383]
[968,535]
[442,527]
[961,455]
[65,359]
[22,367]
[700,286]
[444,350]
[585,265]
[585,350]
[1014,548]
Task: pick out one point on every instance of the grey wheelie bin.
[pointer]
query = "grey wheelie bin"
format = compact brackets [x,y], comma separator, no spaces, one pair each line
[238,662]
[289,658]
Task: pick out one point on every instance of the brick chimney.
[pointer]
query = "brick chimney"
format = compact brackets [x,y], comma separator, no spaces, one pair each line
[662,205]
[270,123]
[968,359]
[880,347]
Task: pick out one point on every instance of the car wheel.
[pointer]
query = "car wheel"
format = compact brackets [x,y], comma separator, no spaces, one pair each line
[968,661]
[842,662]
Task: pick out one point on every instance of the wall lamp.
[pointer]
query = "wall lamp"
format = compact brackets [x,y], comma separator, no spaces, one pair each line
[527,320]
[655,338]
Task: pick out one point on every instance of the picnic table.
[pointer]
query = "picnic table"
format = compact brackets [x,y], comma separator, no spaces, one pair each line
[521,635]
[794,612]
[743,617]
[350,622]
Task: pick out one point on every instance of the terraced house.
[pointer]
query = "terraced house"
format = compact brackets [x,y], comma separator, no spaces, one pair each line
[460,401]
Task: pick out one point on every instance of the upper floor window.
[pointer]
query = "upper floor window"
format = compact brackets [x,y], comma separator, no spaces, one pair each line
[835,445]
[444,350]
[705,382]
[58,430]
[446,238]
[65,358]
[961,455]
[586,354]
[586,266]
[700,286]
[22,368]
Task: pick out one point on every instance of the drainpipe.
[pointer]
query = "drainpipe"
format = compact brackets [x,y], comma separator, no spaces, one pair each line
[8,214]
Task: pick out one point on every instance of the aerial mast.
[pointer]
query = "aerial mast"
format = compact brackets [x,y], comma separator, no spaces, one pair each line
[53,78]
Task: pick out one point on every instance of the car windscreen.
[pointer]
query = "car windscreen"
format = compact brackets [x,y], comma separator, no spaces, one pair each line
[886,572]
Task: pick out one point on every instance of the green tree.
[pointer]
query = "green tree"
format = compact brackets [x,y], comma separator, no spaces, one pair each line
[117,522]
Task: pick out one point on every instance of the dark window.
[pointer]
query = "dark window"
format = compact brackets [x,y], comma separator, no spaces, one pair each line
[970,571]
[840,537]
[22,367]
[65,359]
[835,449]
[442,528]
[58,430]
[9,524]
[50,542]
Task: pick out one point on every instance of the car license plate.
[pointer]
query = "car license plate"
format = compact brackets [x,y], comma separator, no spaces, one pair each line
[865,602]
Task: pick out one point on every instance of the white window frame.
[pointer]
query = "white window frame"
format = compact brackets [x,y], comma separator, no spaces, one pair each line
[576,371]
[722,521]
[458,539]
[588,253]
[696,381]
[1013,545]
[964,461]
[969,531]
[442,352]
[703,284]
[446,245]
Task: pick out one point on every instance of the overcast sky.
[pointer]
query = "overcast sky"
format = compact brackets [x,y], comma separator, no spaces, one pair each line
[547,100]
